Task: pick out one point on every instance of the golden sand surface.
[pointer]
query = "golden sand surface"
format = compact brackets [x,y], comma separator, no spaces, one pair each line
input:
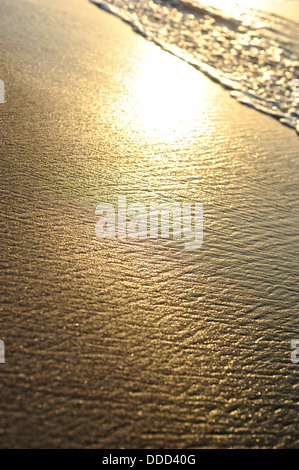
[126,343]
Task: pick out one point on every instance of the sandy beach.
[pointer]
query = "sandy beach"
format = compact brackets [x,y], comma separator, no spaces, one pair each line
[123,343]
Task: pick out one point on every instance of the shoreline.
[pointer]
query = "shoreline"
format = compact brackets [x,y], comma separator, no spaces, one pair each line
[127,343]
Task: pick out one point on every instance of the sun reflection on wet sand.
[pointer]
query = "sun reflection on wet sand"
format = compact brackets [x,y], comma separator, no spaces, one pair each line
[165,107]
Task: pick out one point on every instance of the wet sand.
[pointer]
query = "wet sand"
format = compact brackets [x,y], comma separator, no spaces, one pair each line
[135,344]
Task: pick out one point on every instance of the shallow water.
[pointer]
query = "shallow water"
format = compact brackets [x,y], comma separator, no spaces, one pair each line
[253,53]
